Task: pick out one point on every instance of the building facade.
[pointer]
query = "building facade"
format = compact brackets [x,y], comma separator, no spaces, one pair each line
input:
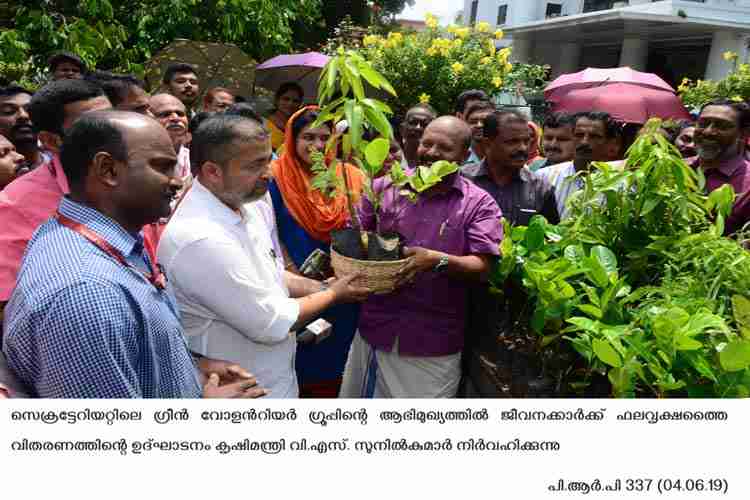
[672,38]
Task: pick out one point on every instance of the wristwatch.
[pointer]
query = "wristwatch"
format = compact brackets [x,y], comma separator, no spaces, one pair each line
[442,264]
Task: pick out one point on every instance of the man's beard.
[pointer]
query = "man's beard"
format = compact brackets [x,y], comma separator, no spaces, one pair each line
[713,151]
[236,199]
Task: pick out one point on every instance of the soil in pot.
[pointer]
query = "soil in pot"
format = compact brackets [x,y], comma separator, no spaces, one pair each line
[348,242]
[385,246]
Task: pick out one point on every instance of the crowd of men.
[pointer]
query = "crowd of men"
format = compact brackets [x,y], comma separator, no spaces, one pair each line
[139,248]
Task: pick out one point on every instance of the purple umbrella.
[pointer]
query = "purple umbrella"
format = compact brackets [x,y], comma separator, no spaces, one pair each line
[303,69]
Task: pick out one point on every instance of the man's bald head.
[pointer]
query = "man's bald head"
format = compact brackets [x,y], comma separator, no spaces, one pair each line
[116,133]
[445,138]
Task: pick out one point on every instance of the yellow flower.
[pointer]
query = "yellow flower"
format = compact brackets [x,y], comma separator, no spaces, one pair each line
[737,98]
[485,60]
[457,43]
[396,37]
[497,81]
[457,68]
[508,67]
[499,34]
[491,47]
[483,27]
[370,40]
[452,29]
[424,99]
[462,32]
[431,21]
[432,51]
[729,55]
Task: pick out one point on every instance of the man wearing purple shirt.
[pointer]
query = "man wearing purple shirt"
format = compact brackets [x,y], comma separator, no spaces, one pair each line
[720,135]
[409,342]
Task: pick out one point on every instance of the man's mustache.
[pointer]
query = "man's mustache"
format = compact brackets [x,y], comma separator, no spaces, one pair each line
[584,150]
[519,156]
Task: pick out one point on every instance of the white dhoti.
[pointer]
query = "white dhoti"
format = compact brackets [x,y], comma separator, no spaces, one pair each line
[372,373]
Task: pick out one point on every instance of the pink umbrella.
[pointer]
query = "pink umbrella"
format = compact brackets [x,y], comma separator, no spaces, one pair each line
[593,77]
[626,102]
[303,69]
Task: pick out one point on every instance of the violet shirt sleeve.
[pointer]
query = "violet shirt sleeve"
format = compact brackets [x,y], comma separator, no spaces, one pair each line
[484,231]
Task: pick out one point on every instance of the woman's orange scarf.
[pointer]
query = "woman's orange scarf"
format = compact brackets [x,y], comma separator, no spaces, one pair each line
[316,213]
[536,138]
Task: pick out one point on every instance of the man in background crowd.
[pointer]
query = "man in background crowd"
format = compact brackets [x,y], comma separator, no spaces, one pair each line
[181,80]
[11,162]
[685,140]
[172,114]
[557,141]
[31,199]
[125,92]
[16,126]
[597,137]
[467,99]
[217,99]
[720,134]
[412,127]
[66,65]
[475,116]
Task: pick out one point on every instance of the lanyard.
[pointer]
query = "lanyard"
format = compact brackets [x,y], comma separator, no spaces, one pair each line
[155,277]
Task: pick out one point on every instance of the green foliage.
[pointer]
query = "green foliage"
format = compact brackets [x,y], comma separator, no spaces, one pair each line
[123,35]
[346,74]
[736,86]
[639,282]
[436,65]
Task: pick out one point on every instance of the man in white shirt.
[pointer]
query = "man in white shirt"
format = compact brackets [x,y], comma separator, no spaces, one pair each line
[237,301]
[597,137]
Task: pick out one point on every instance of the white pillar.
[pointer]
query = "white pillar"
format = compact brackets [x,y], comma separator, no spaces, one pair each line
[634,53]
[569,59]
[723,41]
[522,50]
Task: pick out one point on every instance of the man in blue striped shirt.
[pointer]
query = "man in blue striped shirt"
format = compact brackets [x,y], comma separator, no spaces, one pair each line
[90,315]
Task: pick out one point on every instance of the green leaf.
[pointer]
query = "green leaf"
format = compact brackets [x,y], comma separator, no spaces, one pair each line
[378,120]
[741,311]
[735,356]
[591,310]
[595,272]
[377,151]
[444,168]
[606,353]
[584,324]
[606,258]
[535,234]
[355,126]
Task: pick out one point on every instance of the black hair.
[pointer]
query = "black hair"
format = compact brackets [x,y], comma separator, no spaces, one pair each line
[286,87]
[61,57]
[612,128]
[13,90]
[303,121]
[423,106]
[244,109]
[479,106]
[116,87]
[558,120]
[493,122]
[47,106]
[470,95]
[239,98]
[741,107]
[93,133]
[213,138]
[175,68]
[197,119]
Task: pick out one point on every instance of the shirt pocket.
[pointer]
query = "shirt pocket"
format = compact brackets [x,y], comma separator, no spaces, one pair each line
[451,237]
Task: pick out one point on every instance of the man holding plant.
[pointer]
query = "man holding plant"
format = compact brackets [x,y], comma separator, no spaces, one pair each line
[410,341]
[720,134]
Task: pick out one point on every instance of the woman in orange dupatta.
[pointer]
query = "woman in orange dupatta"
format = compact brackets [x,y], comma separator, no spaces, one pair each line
[305,219]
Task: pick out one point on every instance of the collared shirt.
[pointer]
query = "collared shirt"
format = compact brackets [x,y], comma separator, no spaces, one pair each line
[736,172]
[527,195]
[229,284]
[428,317]
[81,325]
[562,178]
[25,204]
